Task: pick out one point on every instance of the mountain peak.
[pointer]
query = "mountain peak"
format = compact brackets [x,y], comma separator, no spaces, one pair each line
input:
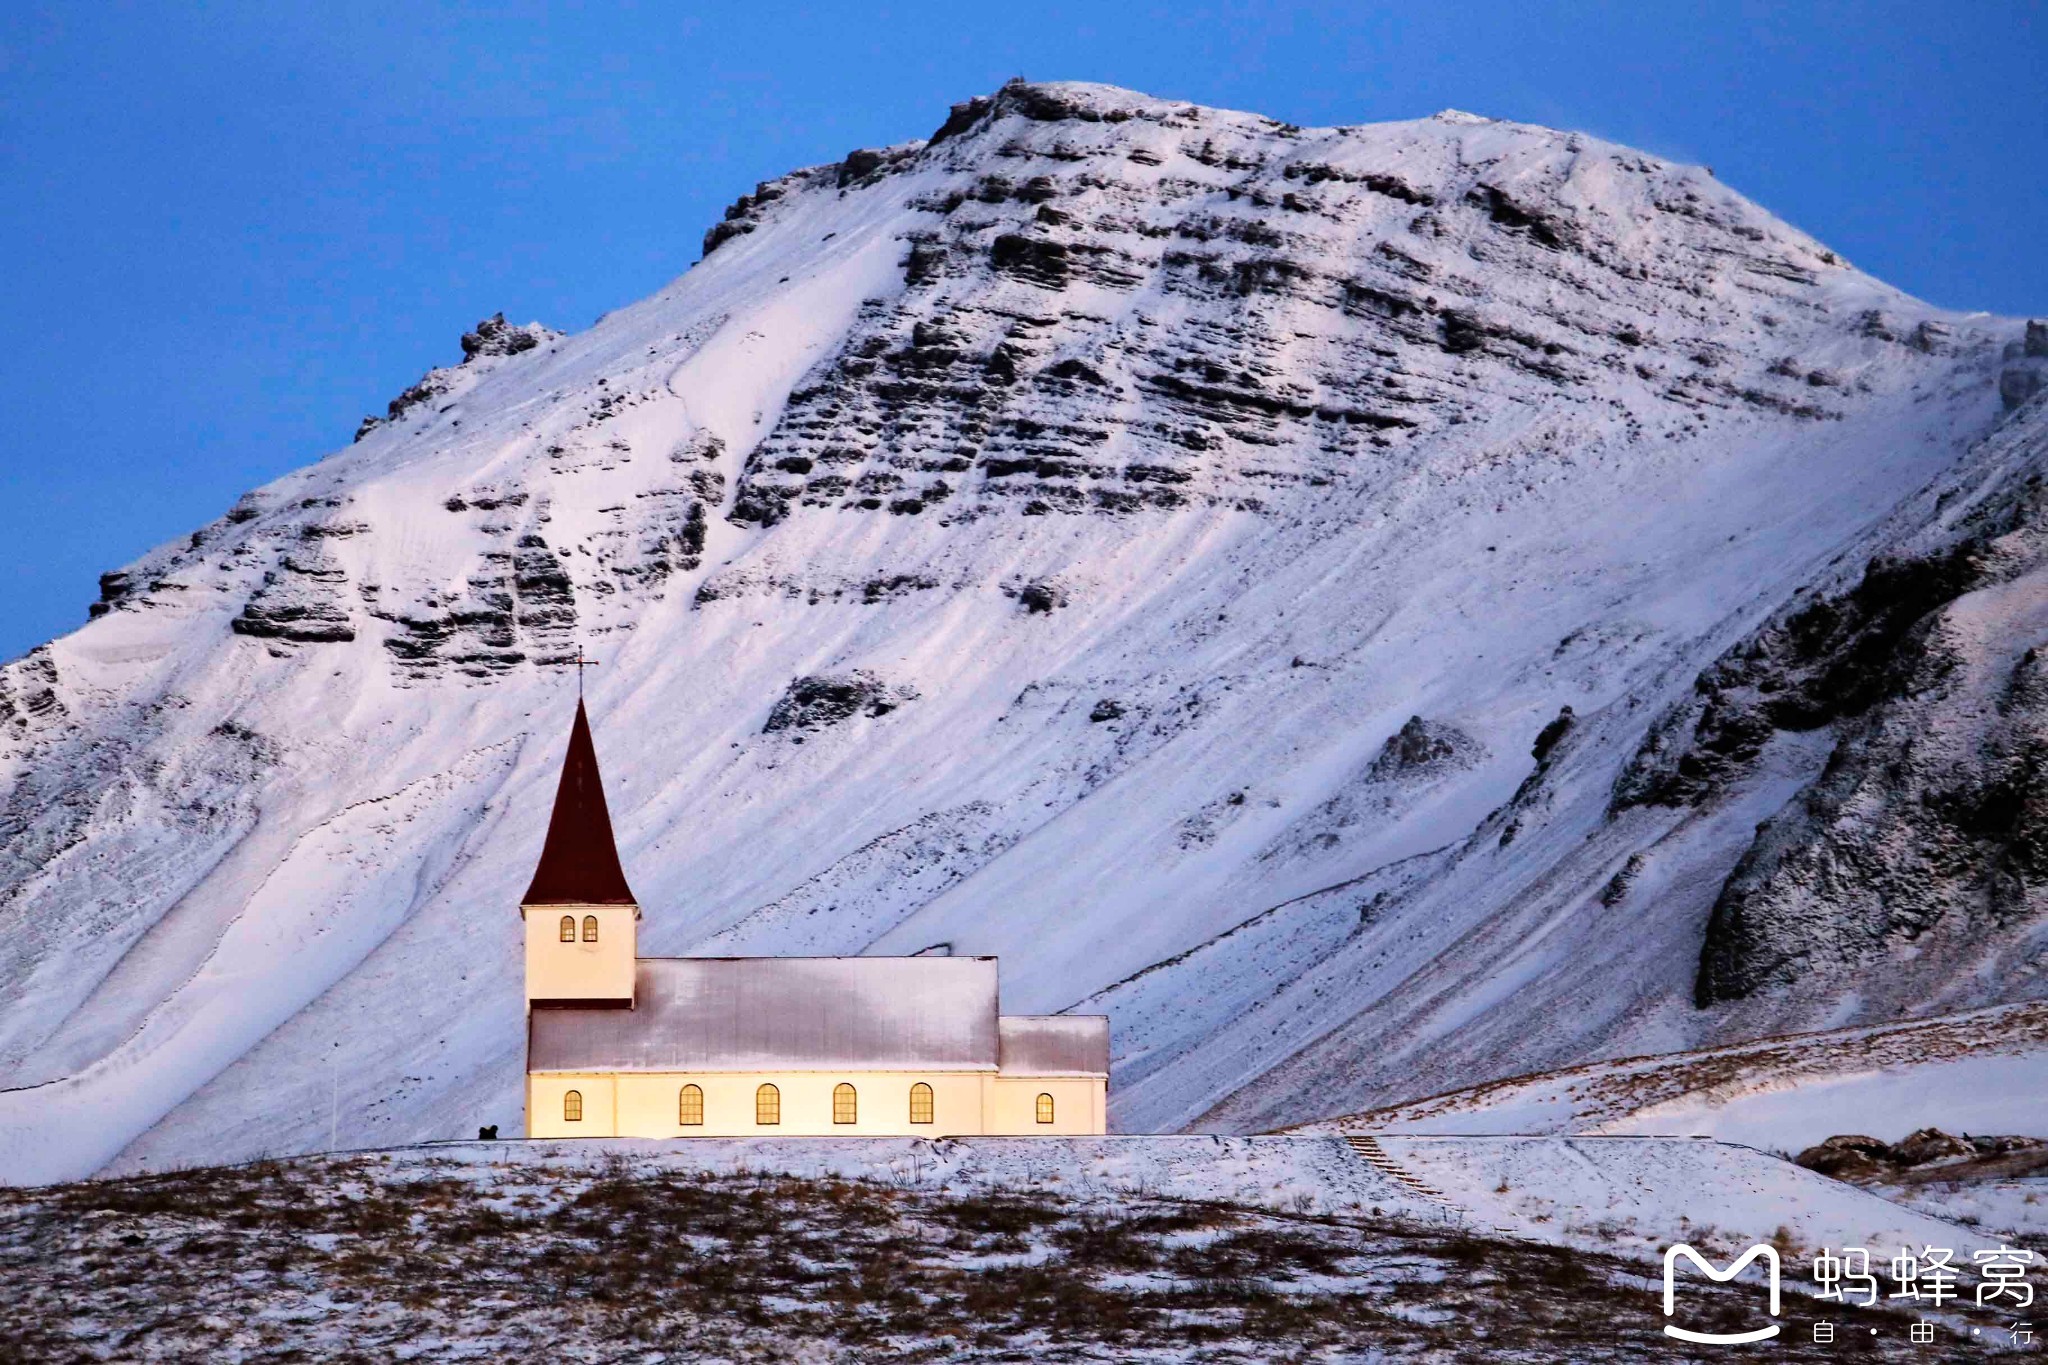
[1175,461]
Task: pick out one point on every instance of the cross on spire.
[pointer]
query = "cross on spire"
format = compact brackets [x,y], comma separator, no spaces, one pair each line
[579,663]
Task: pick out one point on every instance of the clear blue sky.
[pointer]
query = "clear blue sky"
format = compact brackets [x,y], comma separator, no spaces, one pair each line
[228,236]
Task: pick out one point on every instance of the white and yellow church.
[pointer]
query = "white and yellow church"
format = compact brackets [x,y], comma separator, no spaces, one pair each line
[619,1045]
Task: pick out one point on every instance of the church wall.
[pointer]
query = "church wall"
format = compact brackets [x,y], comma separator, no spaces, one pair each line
[648,1103]
[644,1104]
[580,971]
[544,1096]
[1080,1104]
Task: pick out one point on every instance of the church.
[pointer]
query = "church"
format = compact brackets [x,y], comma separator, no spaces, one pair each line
[619,1045]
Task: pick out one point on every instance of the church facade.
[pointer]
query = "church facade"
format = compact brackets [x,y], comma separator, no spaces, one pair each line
[619,1045]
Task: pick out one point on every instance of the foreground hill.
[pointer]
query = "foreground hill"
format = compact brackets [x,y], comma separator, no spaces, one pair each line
[1089,1249]
[1340,600]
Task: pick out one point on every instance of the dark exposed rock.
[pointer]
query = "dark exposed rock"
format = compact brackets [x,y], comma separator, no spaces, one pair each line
[963,117]
[1547,229]
[1831,658]
[1927,829]
[1421,746]
[283,615]
[493,338]
[1038,597]
[815,701]
[300,601]
[1035,260]
[1931,337]
[547,597]
[496,337]
[1045,105]
[1929,1145]
[719,233]
[896,585]
[115,588]
[1108,708]
[864,161]
[1848,1156]
[1547,738]
[1616,889]
[28,691]
[2037,338]
[2018,383]
[1929,1154]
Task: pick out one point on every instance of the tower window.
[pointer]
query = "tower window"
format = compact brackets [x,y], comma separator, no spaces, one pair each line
[572,1107]
[845,1104]
[690,1107]
[590,928]
[568,928]
[920,1103]
[767,1106]
[1045,1109]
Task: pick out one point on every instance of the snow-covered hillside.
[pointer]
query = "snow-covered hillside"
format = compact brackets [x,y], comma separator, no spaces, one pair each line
[1221,567]
[1984,1071]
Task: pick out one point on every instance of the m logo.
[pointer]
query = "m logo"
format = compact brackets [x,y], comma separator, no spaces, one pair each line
[1770,1258]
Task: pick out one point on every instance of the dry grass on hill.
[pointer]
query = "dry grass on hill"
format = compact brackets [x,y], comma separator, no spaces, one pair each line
[367,1259]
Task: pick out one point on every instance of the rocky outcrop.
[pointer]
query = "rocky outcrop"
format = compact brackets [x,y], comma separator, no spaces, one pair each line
[28,692]
[1928,1154]
[1023,367]
[1422,747]
[491,341]
[816,701]
[496,337]
[1924,838]
[300,601]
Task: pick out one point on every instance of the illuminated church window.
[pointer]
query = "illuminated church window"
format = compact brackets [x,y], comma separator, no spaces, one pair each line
[568,928]
[590,928]
[572,1107]
[845,1104]
[920,1103]
[767,1105]
[1045,1109]
[690,1107]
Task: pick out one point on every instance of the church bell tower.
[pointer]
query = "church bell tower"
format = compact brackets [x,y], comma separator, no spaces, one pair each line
[582,922]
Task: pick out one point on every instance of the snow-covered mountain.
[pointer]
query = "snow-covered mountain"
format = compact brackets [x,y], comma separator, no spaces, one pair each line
[1252,578]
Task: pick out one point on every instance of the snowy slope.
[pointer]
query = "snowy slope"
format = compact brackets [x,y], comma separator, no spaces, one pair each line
[1192,521]
[1980,1072]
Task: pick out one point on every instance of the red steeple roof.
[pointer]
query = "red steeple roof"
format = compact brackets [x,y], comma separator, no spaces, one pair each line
[579,864]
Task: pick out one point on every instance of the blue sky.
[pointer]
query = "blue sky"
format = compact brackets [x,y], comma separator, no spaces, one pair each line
[229,235]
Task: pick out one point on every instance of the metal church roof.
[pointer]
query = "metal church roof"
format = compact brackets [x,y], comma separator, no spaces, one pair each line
[1054,1044]
[783,1014]
[579,863]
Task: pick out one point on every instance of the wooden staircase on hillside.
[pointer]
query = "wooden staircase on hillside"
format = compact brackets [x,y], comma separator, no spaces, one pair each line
[1376,1157]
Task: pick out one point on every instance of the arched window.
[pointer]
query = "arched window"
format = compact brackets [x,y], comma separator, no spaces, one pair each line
[572,1107]
[568,928]
[590,928]
[920,1103]
[1045,1109]
[767,1105]
[845,1104]
[690,1107]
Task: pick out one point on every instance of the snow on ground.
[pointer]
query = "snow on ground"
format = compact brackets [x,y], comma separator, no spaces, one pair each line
[2011,1210]
[1083,1249]
[1985,1071]
[1639,1195]
[1623,1196]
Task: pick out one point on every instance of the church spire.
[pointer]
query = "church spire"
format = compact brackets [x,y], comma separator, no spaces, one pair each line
[579,864]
